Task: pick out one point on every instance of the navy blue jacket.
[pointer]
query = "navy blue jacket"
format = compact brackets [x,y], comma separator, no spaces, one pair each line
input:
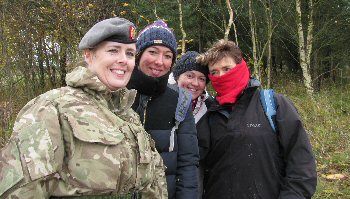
[156,104]
[247,159]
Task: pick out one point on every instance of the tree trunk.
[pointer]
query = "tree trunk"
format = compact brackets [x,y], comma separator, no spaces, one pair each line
[256,71]
[314,71]
[3,43]
[332,70]
[40,55]
[63,63]
[33,69]
[200,37]
[200,32]
[230,21]
[269,34]
[305,47]
[183,41]
[236,35]
[49,69]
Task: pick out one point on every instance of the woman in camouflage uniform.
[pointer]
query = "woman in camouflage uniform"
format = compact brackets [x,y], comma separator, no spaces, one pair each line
[84,140]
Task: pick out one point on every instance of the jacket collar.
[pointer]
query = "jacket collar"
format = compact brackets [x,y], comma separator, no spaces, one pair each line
[147,85]
[119,100]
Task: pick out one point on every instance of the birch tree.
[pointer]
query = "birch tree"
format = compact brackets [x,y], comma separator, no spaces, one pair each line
[256,71]
[261,43]
[305,44]
[230,20]
[215,15]
[183,40]
[268,9]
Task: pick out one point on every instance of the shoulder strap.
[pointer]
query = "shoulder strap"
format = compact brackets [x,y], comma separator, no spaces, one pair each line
[268,102]
[183,104]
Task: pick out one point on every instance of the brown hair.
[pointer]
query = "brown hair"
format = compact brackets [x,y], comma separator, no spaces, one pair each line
[220,49]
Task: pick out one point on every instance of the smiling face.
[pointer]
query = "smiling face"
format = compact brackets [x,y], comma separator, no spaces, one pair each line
[156,61]
[222,66]
[112,62]
[193,81]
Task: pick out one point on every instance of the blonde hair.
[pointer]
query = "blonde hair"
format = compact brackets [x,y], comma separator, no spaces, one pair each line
[220,49]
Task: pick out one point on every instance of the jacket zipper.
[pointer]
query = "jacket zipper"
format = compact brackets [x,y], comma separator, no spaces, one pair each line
[145,103]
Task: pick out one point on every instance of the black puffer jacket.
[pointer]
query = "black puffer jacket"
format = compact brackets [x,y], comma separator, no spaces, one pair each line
[201,121]
[202,126]
[248,160]
[156,104]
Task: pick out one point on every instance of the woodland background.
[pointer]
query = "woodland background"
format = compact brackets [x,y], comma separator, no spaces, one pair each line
[298,47]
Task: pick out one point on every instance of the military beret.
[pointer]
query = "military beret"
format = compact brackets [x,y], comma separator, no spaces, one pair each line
[113,29]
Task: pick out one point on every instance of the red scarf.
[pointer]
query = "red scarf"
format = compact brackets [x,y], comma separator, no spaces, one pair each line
[231,84]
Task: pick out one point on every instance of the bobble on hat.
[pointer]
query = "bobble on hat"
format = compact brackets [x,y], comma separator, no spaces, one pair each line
[187,62]
[157,33]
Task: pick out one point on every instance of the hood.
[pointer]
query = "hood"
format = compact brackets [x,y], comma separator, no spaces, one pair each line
[118,101]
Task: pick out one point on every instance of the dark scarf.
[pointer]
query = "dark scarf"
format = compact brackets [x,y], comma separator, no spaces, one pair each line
[230,85]
[147,85]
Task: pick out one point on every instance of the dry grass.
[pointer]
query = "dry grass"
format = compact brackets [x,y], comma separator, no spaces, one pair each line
[326,117]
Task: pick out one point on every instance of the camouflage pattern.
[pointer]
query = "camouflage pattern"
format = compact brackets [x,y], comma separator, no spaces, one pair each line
[80,140]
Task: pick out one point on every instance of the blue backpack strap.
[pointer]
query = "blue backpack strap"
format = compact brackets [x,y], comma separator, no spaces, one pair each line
[268,102]
[183,104]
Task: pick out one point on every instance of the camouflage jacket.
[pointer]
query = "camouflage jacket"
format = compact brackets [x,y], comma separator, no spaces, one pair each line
[80,139]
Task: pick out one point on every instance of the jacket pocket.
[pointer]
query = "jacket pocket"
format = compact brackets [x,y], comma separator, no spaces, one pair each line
[96,151]
[93,132]
[147,156]
[144,142]
[38,150]
[11,169]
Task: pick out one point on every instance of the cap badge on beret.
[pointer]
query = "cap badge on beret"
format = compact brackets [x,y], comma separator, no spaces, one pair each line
[132,32]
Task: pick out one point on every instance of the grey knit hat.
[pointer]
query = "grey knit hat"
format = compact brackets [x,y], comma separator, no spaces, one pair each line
[113,29]
[157,33]
[187,62]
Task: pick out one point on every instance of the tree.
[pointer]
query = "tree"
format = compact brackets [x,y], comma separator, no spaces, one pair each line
[183,40]
[256,71]
[268,8]
[230,20]
[305,44]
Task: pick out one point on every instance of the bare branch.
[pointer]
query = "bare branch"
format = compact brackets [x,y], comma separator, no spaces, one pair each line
[230,21]
[199,10]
